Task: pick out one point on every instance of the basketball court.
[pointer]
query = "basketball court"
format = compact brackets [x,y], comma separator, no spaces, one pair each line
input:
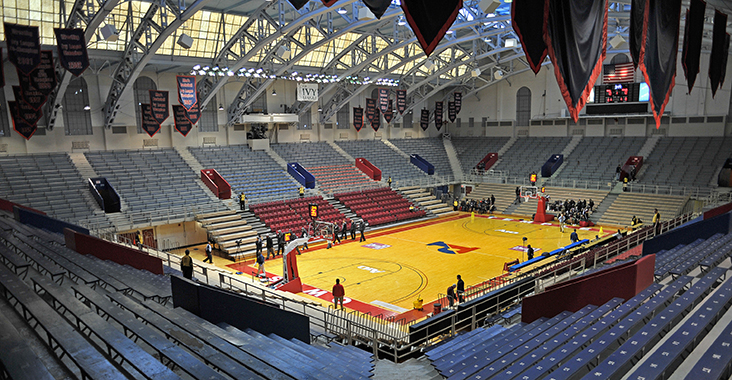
[394,266]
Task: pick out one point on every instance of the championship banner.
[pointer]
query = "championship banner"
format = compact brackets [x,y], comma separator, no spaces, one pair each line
[458,98]
[693,33]
[26,111]
[24,129]
[401,101]
[376,123]
[159,105]
[389,114]
[182,124]
[149,125]
[72,50]
[187,95]
[307,92]
[424,119]
[370,109]
[720,47]
[32,98]
[358,118]
[430,20]
[24,47]
[438,115]
[2,69]
[451,114]
[193,114]
[43,78]
[383,99]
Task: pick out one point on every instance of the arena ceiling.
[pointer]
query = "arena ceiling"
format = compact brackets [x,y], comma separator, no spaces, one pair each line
[270,40]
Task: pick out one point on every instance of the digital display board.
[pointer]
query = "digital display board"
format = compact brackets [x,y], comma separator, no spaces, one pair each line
[620,93]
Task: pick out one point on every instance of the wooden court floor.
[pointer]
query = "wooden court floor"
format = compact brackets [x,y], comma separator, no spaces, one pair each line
[387,272]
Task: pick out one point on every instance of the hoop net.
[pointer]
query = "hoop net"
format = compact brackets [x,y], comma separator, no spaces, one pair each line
[529,192]
[323,229]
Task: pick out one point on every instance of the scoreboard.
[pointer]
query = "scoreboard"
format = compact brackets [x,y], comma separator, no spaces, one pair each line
[620,93]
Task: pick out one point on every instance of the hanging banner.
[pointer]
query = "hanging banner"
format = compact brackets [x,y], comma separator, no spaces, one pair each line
[438,115]
[187,95]
[159,105]
[377,7]
[401,101]
[527,20]
[693,33]
[307,92]
[72,50]
[376,123]
[2,70]
[298,3]
[24,47]
[358,118]
[637,29]
[430,20]
[389,114]
[383,99]
[19,125]
[194,114]
[26,111]
[182,124]
[328,3]
[424,119]
[370,109]
[719,39]
[458,97]
[43,78]
[451,114]
[32,98]
[149,125]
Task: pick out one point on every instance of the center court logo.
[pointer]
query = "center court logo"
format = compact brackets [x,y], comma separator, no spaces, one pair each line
[452,248]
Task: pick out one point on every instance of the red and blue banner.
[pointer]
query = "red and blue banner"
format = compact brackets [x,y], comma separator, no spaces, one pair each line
[149,125]
[383,99]
[187,94]
[182,124]
[358,118]
[159,105]
[19,124]
[24,47]
[401,101]
[72,52]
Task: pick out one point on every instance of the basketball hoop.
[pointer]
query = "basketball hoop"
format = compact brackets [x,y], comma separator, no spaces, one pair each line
[529,192]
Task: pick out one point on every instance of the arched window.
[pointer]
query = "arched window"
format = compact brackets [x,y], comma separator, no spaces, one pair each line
[209,117]
[523,107]
[142,95]
[620,58]
[77,112]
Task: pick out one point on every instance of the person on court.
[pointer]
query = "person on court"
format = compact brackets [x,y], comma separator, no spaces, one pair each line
[270,247]
[529,252]
[361,229]
[561,220]
[460,289]
[573,237]
[280,242]
[186,265]
[353,230]
[344,230]
[258,244]
[336,233]
[209,256]
[260,265]
[338,293]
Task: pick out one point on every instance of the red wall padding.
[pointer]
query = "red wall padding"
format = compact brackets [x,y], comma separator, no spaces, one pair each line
[624,281]
[105,250]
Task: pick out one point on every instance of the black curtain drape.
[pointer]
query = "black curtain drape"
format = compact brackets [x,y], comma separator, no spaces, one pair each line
[576,35]
[377,7]
[693,33]
[637,28]
[719,37]
[527,19]
[660,48]
[430,20]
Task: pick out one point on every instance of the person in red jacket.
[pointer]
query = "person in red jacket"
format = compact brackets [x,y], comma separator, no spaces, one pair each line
[338,293]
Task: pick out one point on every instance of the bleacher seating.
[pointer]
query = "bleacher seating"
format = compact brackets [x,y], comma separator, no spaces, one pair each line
[294,214]
[685,161]
[431,149]
[627,205]
[528,154]
[560,194]
[595,158]
[505,194]
[470,150]
[337,178]
[379,206]
[153,181]
[49,183]
[254,173]
[391,163]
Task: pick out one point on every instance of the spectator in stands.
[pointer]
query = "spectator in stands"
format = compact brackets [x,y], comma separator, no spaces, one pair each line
[361,229]
[460,289]
[592,205]
[573,236]
[338,293]
[336,233]
[186,265]
[139,240]
[632,173]
[270,247]
[617,173]
[451,294]
[455,205]
[260,265]
[344,230]
[389,181]
[242,201]
[625,184]
[529,252]
[209,255]
[258,244]
[656,221]
[493,202]
[280,242]
[353,230]
[634,221]
[518,194]
[301,191]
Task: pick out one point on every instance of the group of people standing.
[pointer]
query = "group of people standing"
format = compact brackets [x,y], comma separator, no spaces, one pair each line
[483,206]
[572,212]
[341,233]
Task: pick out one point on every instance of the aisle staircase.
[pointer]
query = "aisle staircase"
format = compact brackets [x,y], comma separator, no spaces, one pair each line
[426,201]
[457,169]
[226,228]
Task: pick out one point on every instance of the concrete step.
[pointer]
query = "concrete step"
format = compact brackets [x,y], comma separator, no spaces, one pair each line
[231,230]
[220,219]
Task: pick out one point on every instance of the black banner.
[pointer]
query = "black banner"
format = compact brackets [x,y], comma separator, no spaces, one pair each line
[31,98]
[24,129]
[149,125]
[358,118]
[329,3]
[159,105]
[430,20]
[376,123]
[527,20]
[401,101]
[718,49]
[637,26]
[438,114]
[383,99]
[377,7]
[182,124]
[72,50]
[370,109]
[451,114]
[26,111]
[458,97]
[43,78]
[298,3]
[193,114]
[187,94]
[24,47]
[693,33]
[389,114]
[2,70]
[424,119]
